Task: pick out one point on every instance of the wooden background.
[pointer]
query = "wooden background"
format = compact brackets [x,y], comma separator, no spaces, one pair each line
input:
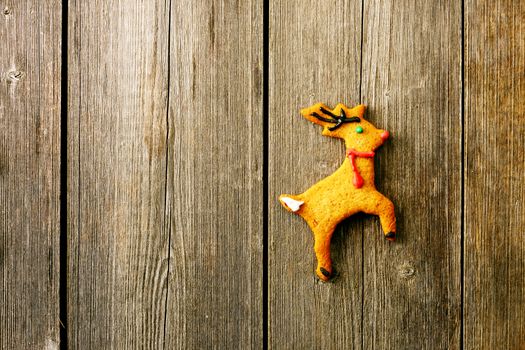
[143,145]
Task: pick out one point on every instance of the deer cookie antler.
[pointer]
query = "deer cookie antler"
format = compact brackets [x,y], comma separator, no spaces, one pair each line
[350,189]
[339,119]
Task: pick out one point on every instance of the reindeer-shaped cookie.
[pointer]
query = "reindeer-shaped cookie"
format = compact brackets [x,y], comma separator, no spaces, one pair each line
[350,189]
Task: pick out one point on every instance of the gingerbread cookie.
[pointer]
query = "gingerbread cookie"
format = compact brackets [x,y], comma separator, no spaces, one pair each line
[350,189]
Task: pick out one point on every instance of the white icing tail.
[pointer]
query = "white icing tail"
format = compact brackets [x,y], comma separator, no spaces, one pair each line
[293,204]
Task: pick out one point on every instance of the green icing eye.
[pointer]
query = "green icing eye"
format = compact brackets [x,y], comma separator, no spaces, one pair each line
[359,130]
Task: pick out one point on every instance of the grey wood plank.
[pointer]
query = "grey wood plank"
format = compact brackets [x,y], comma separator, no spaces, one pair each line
[412,85]
[117,130]
[494,174]
[315,51]
[215,185]
[30,67]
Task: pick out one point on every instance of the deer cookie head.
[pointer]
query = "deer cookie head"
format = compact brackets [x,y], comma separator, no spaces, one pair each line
[347,124]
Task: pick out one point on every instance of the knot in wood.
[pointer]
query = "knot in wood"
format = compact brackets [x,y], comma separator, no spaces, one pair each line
[406,271]
[15,75]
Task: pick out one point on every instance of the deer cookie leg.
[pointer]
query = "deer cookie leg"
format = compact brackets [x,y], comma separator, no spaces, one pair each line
[323,236]
[384,208]
[387,218]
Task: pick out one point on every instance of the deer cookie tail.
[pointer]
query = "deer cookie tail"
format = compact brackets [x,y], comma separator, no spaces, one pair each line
[290,202]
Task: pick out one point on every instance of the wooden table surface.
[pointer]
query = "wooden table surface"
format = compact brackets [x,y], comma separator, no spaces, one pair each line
[143,145]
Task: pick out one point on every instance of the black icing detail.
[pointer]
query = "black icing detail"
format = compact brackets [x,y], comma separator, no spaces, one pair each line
[337,120]
[322,118]
[324,272]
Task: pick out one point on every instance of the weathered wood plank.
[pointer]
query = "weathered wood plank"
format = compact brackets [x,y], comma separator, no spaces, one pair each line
[494,174]
[117,129]
[30,45]
[412,84]
[215,175]
[314,57]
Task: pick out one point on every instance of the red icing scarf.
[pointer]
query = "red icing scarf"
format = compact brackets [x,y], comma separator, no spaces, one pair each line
[352,155]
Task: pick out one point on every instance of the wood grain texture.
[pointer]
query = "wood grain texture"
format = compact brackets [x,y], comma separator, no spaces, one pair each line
[30,49]
[117,130]
[494,174]
[412,84]
[314,57]
[215,201]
